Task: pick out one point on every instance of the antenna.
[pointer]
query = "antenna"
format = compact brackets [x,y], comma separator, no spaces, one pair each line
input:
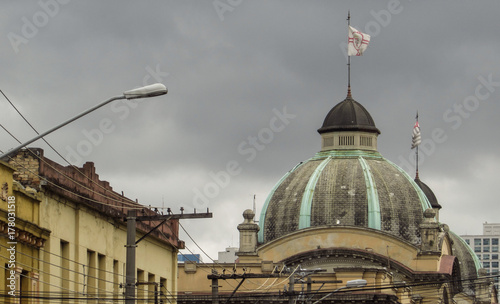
[254,208]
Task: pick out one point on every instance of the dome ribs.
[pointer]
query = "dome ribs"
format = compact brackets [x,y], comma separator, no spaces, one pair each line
[341,200]
[400,207]
[283,211]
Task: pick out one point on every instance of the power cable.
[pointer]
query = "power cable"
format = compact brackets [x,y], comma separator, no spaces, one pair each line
[57,152]
[97,269]
[43,282]
[120,200]
[59,277]
[203,269]
[83,284]
[135,206]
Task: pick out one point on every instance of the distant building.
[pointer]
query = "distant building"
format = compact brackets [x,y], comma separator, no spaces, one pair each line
[181,258]
[486,248]
[228,256]
[491,229]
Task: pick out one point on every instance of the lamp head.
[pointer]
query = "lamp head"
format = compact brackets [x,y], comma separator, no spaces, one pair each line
[355,283]
[152,90]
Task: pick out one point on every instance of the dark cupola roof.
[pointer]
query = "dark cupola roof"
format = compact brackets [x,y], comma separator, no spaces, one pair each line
[428,192]
[348,115]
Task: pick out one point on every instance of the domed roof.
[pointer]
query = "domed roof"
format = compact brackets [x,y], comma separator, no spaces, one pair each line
[348,115]
[469,262]
[346,188]
[428,192]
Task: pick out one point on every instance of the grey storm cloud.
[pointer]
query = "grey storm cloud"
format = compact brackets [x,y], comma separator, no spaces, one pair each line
[230,66]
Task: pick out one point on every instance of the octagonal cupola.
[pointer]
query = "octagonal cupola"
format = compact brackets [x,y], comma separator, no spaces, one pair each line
[348,126]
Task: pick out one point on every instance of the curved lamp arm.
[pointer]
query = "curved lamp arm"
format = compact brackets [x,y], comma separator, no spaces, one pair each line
[143,92]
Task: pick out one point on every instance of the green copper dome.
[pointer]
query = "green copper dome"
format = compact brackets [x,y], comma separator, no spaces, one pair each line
[346,184]
[346,188]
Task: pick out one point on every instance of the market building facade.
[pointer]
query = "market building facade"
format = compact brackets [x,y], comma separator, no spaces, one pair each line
[346,225]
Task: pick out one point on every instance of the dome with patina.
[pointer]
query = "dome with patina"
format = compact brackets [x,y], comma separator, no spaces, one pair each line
[345,184]
[345,188]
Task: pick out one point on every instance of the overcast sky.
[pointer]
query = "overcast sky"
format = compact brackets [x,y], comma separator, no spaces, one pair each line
[250,82]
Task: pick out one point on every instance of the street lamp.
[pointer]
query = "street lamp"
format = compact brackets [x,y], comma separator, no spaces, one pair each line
[153,90]
[349,284]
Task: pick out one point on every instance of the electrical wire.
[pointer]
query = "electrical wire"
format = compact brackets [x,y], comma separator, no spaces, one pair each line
[86,275]
[94,201]
[221,266]
[273,284]
[59,277]
[429,293]
[213,261]
[97,269]
[57,152]
[100,194]
[123,200]
[119,198]
[203,269]
[46,283]
[100,291]
[136,206]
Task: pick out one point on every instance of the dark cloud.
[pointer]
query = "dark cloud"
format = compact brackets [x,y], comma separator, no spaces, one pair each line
[229,72]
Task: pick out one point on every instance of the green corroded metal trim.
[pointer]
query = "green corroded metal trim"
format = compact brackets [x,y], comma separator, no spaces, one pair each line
[264,208]
[477,262]
[346,153]
[423,198]
[305,206]
[372,196]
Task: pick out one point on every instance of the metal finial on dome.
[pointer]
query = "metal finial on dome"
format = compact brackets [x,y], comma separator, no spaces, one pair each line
[349,91]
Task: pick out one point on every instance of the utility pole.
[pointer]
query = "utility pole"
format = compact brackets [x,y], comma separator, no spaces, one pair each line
[132,218]
[309,289]
[215,291]
[291,290]
[130,263]
[156,289]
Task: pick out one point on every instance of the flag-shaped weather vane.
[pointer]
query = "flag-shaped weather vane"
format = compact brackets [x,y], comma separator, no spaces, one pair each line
[357,42]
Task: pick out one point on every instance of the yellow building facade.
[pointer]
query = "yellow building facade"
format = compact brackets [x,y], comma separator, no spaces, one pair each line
[21,238]
[83,232]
